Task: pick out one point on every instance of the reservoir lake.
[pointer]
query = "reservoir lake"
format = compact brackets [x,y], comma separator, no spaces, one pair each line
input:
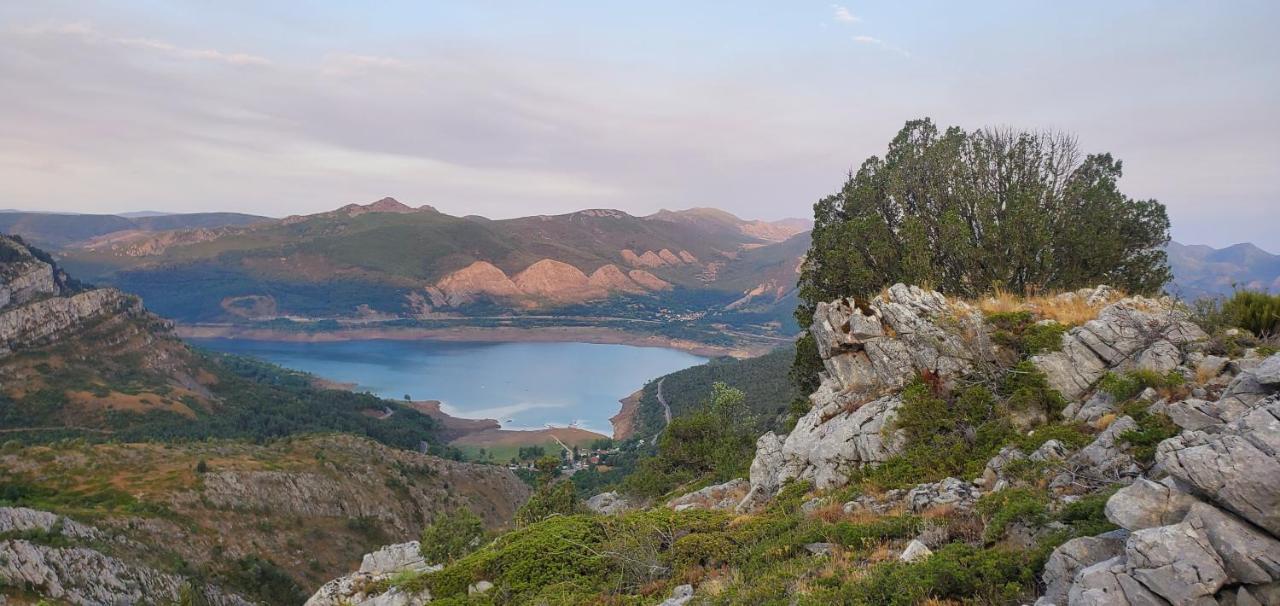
[522,385]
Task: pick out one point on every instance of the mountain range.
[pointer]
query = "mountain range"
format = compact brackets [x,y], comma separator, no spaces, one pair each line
[683,274]
[679,273]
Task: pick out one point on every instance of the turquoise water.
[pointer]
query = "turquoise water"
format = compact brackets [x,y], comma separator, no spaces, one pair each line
[523,385]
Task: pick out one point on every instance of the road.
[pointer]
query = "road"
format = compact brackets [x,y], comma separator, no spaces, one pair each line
[666,409]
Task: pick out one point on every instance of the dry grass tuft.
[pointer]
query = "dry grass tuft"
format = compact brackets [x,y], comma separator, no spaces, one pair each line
[1063,308]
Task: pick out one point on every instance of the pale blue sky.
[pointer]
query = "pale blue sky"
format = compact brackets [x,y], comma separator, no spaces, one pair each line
[508,109]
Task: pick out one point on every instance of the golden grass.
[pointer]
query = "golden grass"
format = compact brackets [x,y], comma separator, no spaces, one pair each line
[1067,310]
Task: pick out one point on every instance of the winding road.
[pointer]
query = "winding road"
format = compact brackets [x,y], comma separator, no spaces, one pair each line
[666,409]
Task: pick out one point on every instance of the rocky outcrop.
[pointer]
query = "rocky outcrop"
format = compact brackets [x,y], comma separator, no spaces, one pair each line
[477,281]
[362,587]
[555,280]
[360,491]
[608,503]
[77,574]
[950,492]
[1131,333]
[38,307]
[648,280]
[1209,530]
[885,342]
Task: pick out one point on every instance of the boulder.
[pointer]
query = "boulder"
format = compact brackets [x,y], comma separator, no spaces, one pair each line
[1236,467]
[679,596]
[608,503]
[394,558]
[1248,554]
[1098,405]
[1072,557]
[1108,584]
[1195,414]
[1267,373]
[1211,366]
[948,492]
[1175,562]
[915,552]
[1147,504]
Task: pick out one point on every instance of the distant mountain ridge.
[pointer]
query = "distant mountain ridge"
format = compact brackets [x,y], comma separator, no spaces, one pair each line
[58,230]
[387,261]
[1200,270]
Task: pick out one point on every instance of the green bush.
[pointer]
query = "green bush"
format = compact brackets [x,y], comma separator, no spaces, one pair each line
[1006,507]
[1151,431]
[559,498]
[1026,388]
[1256,312]
[954,572]
[1128,385]
[451,536]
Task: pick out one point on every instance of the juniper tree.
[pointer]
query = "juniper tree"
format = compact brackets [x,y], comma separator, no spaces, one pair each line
[967,212]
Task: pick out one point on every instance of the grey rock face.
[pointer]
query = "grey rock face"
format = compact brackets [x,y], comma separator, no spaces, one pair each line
[915,552]
[1132,333]
[1248,554]
[892,338]
[1267,374]
[1072,557]
[79,575]
[721,497]
[1237,467]
[1195,414]
[43,320]
[1108,584]
[1175,562]
[22,519]
[608,503]
[1103,460]
[679,596]
[393,558]
[360,587]
[1147,504]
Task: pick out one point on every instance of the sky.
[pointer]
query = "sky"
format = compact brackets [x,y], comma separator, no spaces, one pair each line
[517,108]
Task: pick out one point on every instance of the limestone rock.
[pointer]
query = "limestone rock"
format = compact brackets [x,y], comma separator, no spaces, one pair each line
[1072,557]
[893,337]
[819,549]
[948,492]
[1175,562]
[1195,414]
[1108,584]
[22,519]
[1248,554]
[827,443]
[608,503]
[679,596]
[1103,460]
[83,576]
[1267,373]
[718,497]
[1131,333]
[1237,467]
[915,552]
[1147,504]
[394,558]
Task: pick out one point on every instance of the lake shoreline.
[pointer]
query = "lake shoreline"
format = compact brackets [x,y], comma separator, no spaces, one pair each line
[478,334]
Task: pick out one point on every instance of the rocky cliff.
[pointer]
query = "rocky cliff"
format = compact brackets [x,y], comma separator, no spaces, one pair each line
[306,507]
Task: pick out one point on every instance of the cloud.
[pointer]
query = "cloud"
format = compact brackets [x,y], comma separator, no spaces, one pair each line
[873,41]
[90,34]
[844,15]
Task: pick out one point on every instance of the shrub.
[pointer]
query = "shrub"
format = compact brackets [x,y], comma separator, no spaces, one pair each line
[1256,312]
[1128,385]
[1002,509]
[955,572]
[1026,388]
[552,499]
[451,536]
[1151,431]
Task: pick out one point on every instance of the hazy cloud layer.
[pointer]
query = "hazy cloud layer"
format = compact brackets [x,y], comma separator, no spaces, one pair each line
[508,113]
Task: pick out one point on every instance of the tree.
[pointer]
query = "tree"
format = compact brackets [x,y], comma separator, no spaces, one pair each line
[451,536]
[968,212]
